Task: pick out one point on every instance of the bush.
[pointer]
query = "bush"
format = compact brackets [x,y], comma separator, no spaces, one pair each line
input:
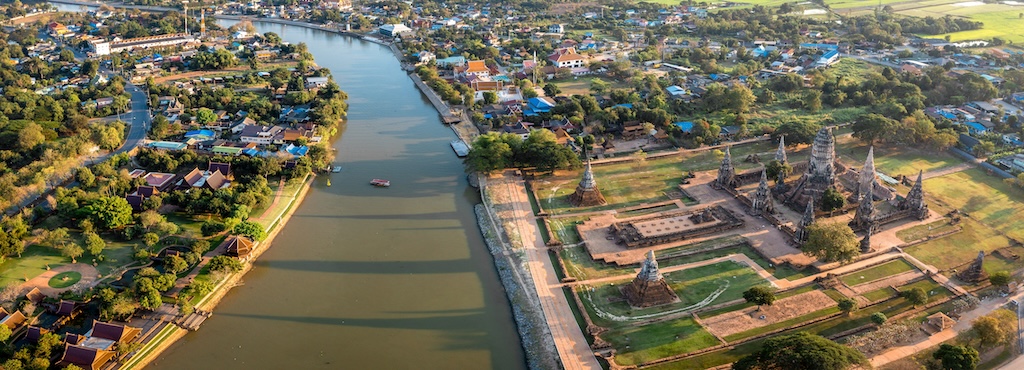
[879,318]
[213,227]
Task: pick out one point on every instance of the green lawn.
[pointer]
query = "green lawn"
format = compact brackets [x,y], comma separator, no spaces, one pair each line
[580,266]
[639,345]
[1000,21]
[65,279]
[886,269]
[876,295]
[782,324]
[726,279]
[33,262]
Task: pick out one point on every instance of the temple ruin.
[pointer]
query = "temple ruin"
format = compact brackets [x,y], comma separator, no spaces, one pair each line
[587,194]
[649,287]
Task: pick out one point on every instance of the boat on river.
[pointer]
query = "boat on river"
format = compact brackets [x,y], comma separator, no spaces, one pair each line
[380,183]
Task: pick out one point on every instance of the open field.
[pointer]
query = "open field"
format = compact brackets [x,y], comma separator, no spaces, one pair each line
[581,85]
[990,206]
[747,321]
[921,231]
[565,228]
[874,273]
[1000,19]
[894,160]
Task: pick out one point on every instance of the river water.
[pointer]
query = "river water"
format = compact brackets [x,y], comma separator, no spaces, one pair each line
[364,277]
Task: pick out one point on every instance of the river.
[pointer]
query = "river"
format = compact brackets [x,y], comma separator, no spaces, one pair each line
[364,277]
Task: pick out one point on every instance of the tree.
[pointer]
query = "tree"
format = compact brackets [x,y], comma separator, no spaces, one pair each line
[774,168]
[957,357]
[760,295]
[832,200]
[1000,279]
[85,177]
[996,328]
[5,333]
[72,251]
[175,264]
[56,238]
[250,229]
[599,86]
[205,116]
[551,89]
[879,318]
[150,239]
[30,136]
[225,263]
[831,242]
[94,243]
[915,296]
[490,97]
[491,152]
[797,131]
[109,212]
[847,305]
[803,351]
[871,127]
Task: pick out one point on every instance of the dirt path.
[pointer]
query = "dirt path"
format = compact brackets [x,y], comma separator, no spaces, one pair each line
[90,275]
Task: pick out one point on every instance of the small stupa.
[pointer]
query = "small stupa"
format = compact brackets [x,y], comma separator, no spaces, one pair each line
[587,194]
[649,287]
[975,273]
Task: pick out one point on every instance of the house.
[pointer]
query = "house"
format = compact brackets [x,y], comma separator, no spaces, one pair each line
[632,130]
[975,128]
[317,82]
[223,168]
[476,68]
[567,58]
[66,308]
[158,180]
[238,246]
[96,348]
[538,105]
[425,56]
[12,320]
[337,4]
[394,30]
[205,179]
[259,134]
[676,91]
[519,128]
[556,28]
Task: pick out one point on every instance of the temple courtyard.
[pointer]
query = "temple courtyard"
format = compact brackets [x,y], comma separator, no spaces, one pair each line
[618,220]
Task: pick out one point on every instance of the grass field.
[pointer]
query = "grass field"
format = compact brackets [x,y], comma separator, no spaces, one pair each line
[893,160]
[1001,20]
[876,295]
[625,184]
[565,228]
[886,269]
[921,231]
[991,206]
[728,279]
[33,262]
[636,345]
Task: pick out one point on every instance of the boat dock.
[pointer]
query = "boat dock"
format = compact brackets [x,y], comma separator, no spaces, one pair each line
[461,149]
[447,114]
[193,321]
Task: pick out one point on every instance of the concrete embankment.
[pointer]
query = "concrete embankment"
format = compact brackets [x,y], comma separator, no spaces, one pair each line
[533,329]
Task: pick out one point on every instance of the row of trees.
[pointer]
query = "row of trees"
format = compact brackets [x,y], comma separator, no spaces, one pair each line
[494,152]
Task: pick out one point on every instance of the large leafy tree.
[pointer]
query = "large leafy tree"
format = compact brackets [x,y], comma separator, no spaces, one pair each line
[831,242]
[803,351]
[490,152]
[108,212]
[957,357]
[872,127]
[250,229]
[798,131]
[760,295]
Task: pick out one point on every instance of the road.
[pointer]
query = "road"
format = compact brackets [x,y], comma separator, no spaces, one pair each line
[138,118]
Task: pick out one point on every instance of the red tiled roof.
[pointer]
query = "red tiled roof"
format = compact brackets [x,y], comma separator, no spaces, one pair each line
[238,246]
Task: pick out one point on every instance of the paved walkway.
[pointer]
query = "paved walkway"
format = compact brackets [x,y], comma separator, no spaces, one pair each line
[572,346]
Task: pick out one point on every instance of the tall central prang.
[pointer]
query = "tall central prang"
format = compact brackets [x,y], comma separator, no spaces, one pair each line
[821,171]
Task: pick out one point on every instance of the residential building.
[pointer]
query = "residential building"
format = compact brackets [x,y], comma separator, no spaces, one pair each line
[567,58]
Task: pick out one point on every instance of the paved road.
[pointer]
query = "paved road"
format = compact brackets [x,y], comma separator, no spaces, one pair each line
[138,118]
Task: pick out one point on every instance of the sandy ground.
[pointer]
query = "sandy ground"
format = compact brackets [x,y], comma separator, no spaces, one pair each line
[42,281]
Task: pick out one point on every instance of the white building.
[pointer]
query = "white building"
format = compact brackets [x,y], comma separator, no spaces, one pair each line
[117,46]
[394,30]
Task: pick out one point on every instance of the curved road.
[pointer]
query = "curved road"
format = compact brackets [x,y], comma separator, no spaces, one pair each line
[138,118]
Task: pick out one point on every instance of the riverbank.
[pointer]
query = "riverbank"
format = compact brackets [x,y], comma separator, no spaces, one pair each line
[160,344]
